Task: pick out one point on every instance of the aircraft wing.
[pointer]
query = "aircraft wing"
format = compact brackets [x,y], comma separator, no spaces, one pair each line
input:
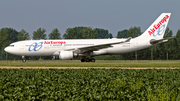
[99,46]
[153,41]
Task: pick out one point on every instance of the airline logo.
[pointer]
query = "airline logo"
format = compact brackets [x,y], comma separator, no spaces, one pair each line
[35,46]
[160,31]
[158,26]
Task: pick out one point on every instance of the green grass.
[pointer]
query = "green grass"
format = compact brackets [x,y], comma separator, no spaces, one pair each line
[98,63]
[89,85]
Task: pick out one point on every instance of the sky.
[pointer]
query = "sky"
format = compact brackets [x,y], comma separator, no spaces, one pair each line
[112,15]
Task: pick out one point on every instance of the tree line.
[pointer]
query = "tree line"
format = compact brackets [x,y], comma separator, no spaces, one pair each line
[167,50]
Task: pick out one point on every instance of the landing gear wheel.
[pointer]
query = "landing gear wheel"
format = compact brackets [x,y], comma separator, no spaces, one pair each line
[92,60]
[23,60]
[82,60]
[87,60]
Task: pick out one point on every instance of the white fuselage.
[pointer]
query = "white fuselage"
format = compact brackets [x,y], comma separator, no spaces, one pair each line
[52,47]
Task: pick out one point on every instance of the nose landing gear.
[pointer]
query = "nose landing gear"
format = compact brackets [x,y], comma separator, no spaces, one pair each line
[23,59]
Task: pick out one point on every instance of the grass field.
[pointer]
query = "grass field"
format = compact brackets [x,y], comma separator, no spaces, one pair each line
[89,83]
[98,63]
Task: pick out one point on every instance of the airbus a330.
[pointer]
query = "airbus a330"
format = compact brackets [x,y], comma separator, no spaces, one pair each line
[88,48]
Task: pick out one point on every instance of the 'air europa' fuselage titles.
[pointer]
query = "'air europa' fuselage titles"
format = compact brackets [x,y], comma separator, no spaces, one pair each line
[156,26]
[54,42]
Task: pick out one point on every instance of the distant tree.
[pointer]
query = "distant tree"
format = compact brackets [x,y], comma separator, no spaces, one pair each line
[55,34]
[174,51]
[78,29]
[103,34]
[5,39]
[122,34]
[39,34]
[74,33]
[168,33]
[153,50]
[134,32]
[71,33]
[177,42]
[23,35]
[7,36]
[167,45]
[88,33]
[13,35]
[178,37]
[109,36]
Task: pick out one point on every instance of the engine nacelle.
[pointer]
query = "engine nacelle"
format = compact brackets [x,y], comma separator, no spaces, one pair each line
[64,55]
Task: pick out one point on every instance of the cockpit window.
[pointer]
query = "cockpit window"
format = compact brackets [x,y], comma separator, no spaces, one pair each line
[11,45]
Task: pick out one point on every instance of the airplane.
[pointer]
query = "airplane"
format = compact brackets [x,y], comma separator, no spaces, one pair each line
[88,48]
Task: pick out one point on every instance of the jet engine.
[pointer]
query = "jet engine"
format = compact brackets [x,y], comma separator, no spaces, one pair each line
[63,55]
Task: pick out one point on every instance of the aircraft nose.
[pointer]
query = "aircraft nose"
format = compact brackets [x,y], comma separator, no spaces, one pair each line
[6,49]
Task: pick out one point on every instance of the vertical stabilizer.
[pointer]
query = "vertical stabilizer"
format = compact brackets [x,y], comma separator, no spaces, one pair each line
[158,27]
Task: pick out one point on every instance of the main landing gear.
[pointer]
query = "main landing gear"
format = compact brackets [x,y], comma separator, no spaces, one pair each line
[23,59]
[87,60]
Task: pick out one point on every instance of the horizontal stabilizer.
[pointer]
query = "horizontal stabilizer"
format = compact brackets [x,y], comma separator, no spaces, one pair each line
[153,41]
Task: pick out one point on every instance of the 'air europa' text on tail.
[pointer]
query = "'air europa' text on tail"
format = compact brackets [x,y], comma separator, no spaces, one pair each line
[156,26]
